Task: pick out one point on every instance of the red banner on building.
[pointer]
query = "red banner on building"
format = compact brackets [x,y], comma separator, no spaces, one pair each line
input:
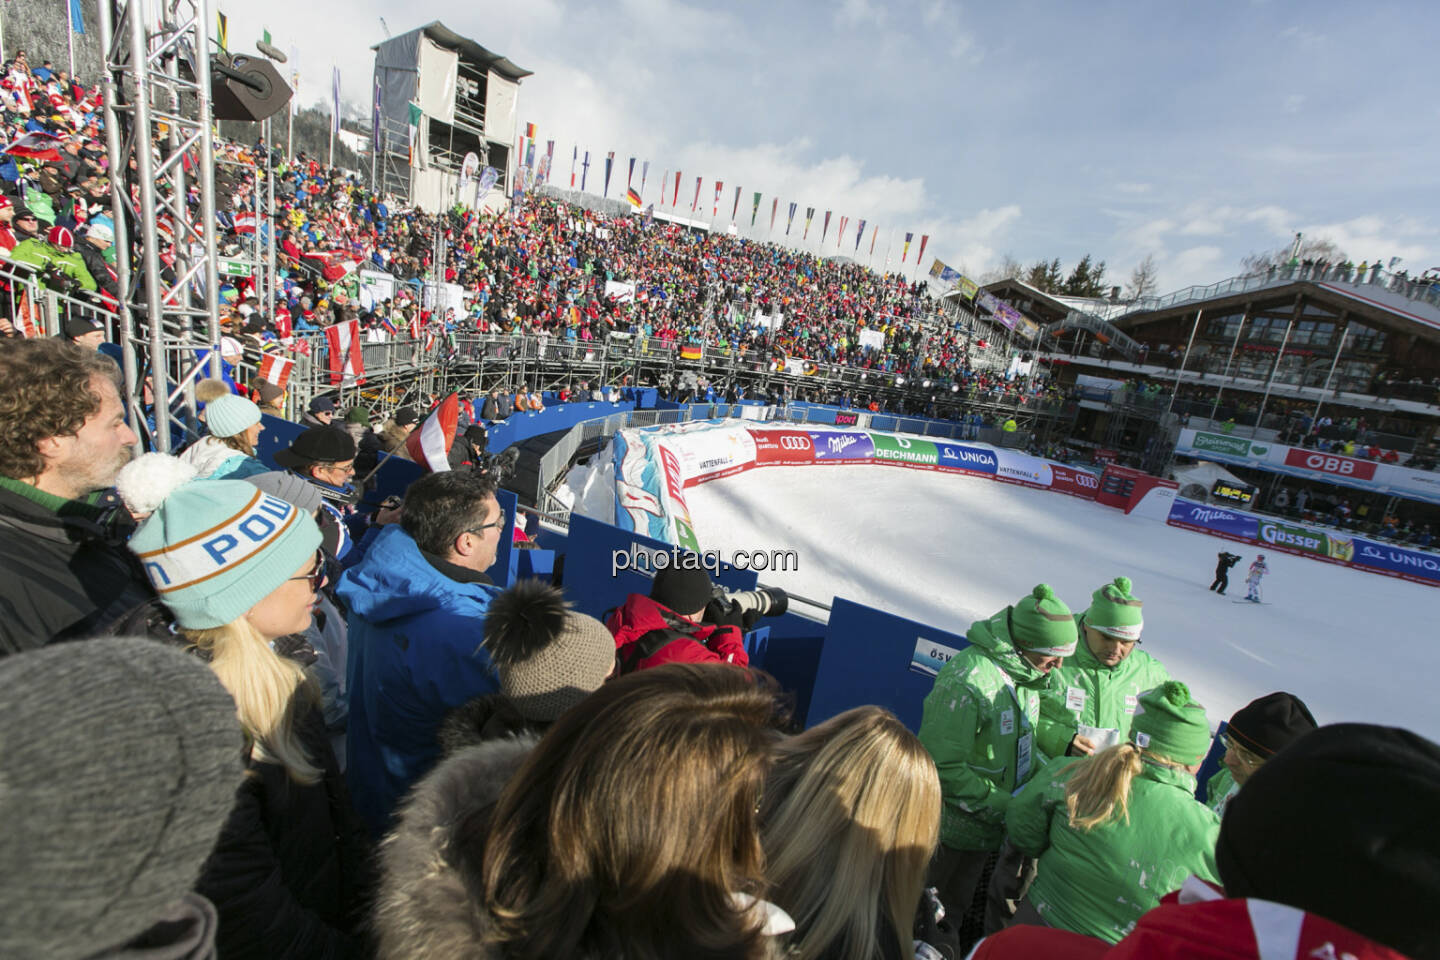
[1331,463]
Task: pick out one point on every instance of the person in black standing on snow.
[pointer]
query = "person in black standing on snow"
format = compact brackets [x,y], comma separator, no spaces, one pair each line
[1222,571]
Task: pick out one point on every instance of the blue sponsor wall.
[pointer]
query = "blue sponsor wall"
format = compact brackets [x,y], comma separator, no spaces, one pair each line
[520,427]
[1419,564]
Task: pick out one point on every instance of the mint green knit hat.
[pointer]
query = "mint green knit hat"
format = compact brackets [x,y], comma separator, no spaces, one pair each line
[214,548]
[1115,611]
[230,415]
[1041,623]
[1168,722]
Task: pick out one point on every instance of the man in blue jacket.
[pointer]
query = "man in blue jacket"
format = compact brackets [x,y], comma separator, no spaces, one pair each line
[417,606]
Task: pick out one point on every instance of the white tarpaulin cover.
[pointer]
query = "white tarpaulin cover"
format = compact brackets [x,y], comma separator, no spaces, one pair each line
[438,67]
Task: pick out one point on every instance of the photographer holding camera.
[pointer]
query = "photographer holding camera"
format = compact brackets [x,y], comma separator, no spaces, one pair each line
[1222,571]
[686,619]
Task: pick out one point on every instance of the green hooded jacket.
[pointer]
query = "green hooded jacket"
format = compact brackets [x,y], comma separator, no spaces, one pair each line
[1219,789]
[972,730]
[1085,691]
[43,255]
[1098,883]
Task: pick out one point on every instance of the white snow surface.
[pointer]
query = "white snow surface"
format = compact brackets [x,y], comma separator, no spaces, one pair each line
[947,550]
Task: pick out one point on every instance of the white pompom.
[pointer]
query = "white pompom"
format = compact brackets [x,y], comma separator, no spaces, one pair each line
[144,484]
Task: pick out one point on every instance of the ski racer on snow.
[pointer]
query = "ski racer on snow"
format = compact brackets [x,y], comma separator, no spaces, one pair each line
[1258,569]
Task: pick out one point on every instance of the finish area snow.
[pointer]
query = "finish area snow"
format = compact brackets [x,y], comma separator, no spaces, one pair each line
[948,550]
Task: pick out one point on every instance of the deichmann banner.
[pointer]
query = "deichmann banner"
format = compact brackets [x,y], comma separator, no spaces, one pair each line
[915,453]
[958,458]
[1220,443]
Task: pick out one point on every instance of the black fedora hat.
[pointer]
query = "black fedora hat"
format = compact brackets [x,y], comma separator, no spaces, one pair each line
[317,445]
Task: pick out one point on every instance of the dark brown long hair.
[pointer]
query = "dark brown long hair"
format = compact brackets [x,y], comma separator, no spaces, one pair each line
[631,825]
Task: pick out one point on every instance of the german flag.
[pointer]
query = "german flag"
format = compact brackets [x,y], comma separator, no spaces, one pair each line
[691,351]
[633,196]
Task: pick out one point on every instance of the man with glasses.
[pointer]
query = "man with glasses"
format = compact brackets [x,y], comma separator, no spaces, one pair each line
[417,601]
[27,225]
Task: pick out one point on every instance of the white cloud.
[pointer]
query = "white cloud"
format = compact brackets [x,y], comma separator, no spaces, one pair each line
[1202,264]
[1132,188]
[1370,236]
[1305,39]
[852,13]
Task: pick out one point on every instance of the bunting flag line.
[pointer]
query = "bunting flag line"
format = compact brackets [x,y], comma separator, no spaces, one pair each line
[790,221]
[859,235]
[695,204]
[826,228]
[755,210]
[346,364]
[905,250]
[644,175]
[584,171]
[676,198]
[774,208]
[840,234]
[736,209]
[573,157]
[609,165]
[809,215]
[715,210]
[924,239]
[430,445]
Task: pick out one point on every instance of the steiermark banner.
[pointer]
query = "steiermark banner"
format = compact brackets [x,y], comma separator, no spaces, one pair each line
[905,450]
[1220,443]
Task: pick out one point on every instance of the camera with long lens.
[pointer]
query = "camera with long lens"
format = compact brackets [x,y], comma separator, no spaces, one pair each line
[753,604]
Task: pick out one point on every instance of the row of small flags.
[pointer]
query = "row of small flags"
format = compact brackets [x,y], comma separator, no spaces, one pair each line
[527,176]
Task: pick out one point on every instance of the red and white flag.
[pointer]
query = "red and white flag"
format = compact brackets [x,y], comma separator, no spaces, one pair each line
[346,364]
[276,369]
[245,223]
[430,445]
[35,146]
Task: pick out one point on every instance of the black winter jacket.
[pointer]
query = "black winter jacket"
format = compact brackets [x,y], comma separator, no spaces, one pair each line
[64,577]
[290,872]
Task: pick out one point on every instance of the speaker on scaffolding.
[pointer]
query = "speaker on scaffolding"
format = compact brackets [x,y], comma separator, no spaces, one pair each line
[246,88]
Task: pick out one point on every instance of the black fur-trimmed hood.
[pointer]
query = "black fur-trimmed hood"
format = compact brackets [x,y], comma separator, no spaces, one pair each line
[424,907]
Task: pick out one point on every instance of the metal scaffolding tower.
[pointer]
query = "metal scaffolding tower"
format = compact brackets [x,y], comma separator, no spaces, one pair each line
[158,113]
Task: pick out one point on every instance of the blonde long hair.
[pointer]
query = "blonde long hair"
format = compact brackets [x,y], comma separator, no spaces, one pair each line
[1100,790]
[267,689]
[850,818]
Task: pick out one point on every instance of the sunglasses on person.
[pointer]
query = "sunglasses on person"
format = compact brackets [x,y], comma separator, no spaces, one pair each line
[317,575]
[480,530]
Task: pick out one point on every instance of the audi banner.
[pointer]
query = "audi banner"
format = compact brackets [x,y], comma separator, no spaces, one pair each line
[783,447]
[842,446]
[1076,483]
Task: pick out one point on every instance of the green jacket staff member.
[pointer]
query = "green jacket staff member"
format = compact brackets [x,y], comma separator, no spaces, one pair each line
[1091,701]
[979,725]
[1117,831]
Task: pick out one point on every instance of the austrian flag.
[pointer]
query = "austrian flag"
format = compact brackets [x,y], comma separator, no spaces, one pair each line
[430,445]
[276,369]
[346,363]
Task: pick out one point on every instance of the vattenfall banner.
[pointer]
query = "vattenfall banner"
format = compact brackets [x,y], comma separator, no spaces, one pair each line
[1327,545]
[1316,464]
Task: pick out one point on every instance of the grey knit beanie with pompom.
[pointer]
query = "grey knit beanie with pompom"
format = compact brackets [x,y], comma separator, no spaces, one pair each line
[548,656]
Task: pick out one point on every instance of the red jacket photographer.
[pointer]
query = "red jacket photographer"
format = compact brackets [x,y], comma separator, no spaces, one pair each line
[650,631]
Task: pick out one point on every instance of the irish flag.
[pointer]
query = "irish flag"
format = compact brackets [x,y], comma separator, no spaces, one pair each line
[346,364]
[430,445]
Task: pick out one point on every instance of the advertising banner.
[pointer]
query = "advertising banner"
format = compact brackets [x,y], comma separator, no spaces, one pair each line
[1016,467]
[674,492]
[1414,565]
[1221,443]
[783,447]
[1331,463]
[1075,482]
[912,453]
[846,418]
[1221,523]
[1296,539]
[959,458]
[715,454]
[842,446]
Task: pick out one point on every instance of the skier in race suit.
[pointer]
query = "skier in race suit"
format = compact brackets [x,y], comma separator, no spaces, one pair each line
[1258,569]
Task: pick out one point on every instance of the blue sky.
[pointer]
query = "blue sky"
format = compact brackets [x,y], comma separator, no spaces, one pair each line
[1196,133]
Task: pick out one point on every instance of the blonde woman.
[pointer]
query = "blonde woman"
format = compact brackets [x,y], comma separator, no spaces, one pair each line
[229,449]
[850,818]
[238,569]
[1117,831]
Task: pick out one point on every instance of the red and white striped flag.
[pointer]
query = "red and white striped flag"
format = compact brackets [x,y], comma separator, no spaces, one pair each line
[430,445]
[346,363]
[245,223]
[276,369]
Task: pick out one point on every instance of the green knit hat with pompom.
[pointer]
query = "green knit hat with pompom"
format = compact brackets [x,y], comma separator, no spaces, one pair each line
[1041,623]
[1115,611]
[1169,723]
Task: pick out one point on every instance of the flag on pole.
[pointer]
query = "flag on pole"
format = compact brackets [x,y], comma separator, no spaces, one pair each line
[549,158]
[430,445]
[530,131]
[736,208]
[715,210]
[630,177]
[633,196]
[905,250]
[644,175]
[874,232]
[840,234]
[335,100]
[809,215]
[374,118]
[924,239]
[415,114]
[35,146]
[695,204]
[222,28]
[826,229]
[584,171]
[573,158]
[675,198]
[346,364]
[276,369]
[791,221]
[755,209]
[77,19]
[774,209]
[859,235]
[609,165]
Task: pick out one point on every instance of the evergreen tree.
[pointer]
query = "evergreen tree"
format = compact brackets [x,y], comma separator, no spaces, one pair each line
[1087,279]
